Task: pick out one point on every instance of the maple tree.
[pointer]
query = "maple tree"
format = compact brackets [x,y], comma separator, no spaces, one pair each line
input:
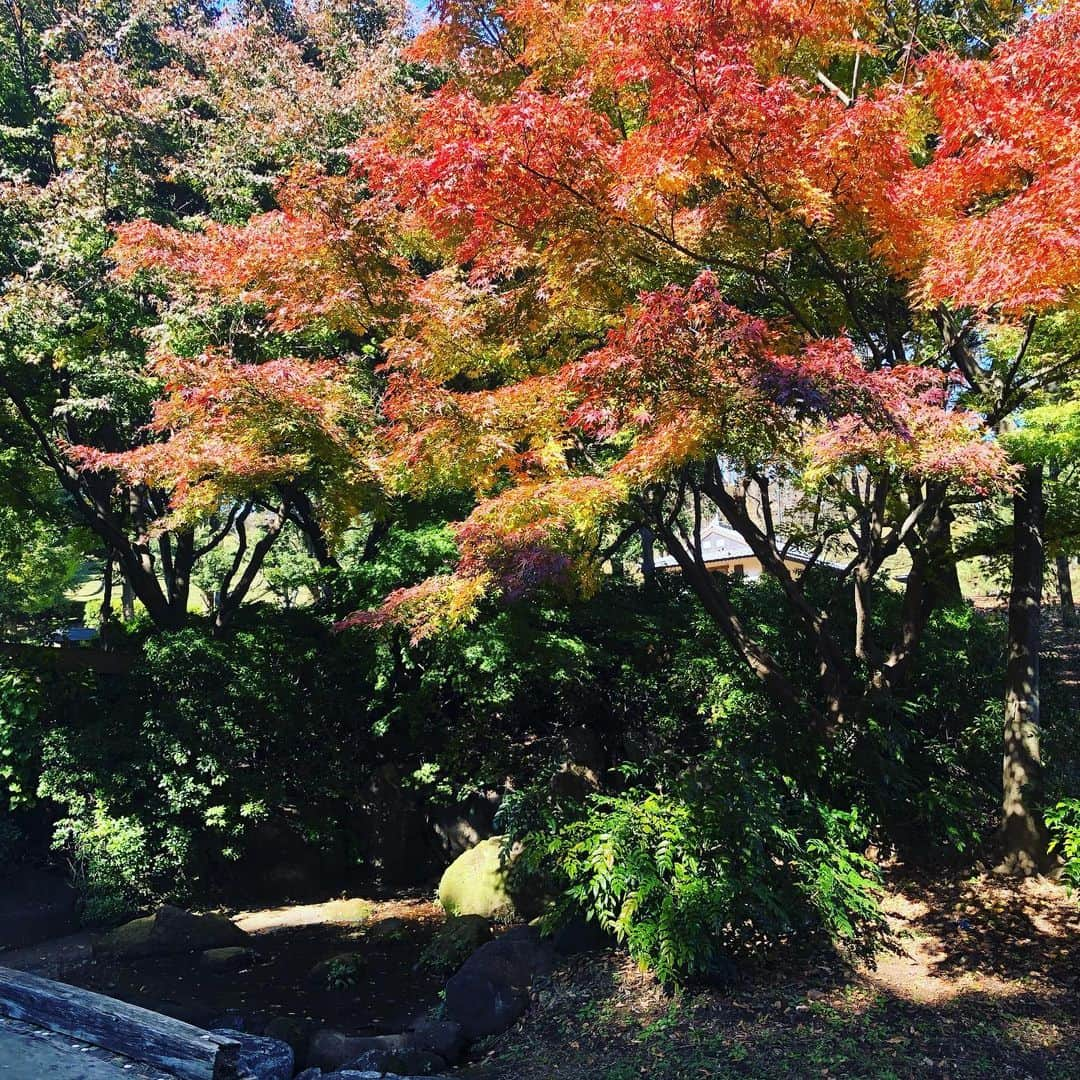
[648,262]
[584,158]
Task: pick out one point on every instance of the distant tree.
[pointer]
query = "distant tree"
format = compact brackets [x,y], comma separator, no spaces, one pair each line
[290,571]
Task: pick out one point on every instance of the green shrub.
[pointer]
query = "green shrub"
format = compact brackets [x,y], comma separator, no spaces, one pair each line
[345,972]
[118,866]
[159,779]
[20,731]
[732,856]
[1063,820]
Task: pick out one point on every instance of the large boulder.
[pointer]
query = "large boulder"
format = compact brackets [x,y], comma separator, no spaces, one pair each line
[478,882]
[492,988]
[170,931]
[442,1037]
[261,1058]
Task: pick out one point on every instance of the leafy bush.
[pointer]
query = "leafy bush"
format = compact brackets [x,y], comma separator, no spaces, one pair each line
[345,972]
[117,863]
[20,725]
[161,777]
[1063,820]
[166,779]
[733,856]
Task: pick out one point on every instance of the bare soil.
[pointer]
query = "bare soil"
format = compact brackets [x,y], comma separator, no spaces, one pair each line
[983,982]
[289,942]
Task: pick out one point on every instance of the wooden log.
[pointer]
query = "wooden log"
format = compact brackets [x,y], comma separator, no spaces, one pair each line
[185,1051]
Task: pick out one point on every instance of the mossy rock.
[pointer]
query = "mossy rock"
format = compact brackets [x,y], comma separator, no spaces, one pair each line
[170,931]
[454,942]
[478,882]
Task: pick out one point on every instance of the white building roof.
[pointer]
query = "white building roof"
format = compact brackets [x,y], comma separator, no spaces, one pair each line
[721,544]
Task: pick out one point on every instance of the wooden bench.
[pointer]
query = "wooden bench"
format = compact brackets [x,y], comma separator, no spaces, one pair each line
[180,1049]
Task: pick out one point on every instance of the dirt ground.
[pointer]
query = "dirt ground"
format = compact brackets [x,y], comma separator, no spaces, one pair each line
[289,942]
[984,982]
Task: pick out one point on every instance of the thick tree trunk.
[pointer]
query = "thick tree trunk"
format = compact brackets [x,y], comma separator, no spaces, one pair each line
[1023,833]
[942,578]
[648,553]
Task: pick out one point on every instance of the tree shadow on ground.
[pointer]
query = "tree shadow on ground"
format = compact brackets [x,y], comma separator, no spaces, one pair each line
[984,983]
[988,926]
[590,1027]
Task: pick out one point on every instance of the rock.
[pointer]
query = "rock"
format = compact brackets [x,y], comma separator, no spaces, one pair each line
[408,1061]
[309,1074]
[386,929]
[170,931]
[454,942]
[575,781]
[262,1058]
[35,905]
[492,988]
[294,1030]
[462,826]
[229,958]
[442,1037]
[476,883]
[330,1049]
[339,972]
[484,1003]
[581,935]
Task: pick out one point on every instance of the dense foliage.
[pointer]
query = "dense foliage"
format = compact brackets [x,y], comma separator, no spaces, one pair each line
[367,373]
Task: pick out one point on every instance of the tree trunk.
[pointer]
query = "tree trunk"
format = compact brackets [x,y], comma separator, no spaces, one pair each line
[1023,833]
[942,578]
[106,599]
[648,553]
[773,679]
[1065,593]
[127,601]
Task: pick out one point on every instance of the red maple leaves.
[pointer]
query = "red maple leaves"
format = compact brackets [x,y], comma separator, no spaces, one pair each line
[589,190]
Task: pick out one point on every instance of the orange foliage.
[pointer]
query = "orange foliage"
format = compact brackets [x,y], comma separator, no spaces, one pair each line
[233,429]
[323,256]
